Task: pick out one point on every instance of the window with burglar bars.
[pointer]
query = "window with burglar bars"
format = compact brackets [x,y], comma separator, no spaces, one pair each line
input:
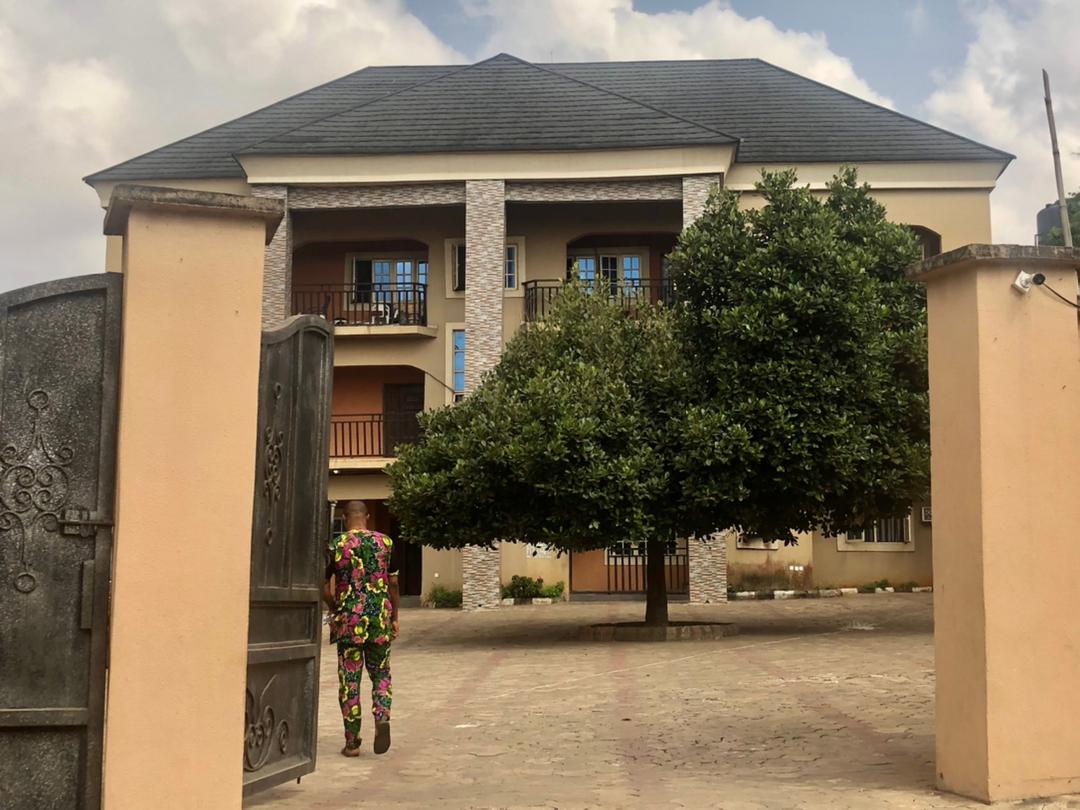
[883,530]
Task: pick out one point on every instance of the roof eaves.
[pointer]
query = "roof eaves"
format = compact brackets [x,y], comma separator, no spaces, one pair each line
[100,174]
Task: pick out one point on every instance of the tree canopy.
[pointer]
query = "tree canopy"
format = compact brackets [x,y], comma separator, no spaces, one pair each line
[810,359]
[785,390]
[1056,235]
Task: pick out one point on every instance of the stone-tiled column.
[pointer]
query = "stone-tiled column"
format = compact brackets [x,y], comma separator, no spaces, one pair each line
[485,257]
[277,270]
[708,569]
[695,193]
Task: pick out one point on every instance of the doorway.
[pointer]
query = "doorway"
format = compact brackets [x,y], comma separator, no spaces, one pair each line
[402,402]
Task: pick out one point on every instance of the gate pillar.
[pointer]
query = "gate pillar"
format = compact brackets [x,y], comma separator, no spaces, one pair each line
[193,266]
[1005,445]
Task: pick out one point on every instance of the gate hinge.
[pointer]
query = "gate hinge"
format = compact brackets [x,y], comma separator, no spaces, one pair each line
[82,522]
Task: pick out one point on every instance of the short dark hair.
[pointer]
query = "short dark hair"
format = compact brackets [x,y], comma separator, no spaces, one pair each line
[356,508]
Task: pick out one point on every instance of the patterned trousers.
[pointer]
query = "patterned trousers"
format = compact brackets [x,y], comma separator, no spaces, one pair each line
[352,660]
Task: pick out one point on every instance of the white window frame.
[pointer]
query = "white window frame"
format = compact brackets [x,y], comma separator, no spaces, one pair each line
[393,257]
[756,543]
[390,257]
[620,253]
[844,543]
[451,246]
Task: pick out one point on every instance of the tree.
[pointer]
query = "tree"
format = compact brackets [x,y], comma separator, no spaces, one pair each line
[810,356]
[569,442]
[785,391]
[1055,236]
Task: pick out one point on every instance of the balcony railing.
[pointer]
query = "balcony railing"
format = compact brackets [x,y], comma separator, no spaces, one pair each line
[540,294]
[371,435]
[363,304]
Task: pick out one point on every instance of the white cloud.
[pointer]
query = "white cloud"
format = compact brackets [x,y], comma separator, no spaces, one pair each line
[566,30]
[997,97]
[85,85]
[12,67]
[307,41]
[81,105]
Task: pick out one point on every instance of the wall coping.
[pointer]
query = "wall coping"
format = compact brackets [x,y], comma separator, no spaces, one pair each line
[126,197]
[962,256]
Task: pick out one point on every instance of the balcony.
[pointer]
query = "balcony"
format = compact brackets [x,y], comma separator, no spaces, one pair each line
[368,436]
[365,308]
[540,295]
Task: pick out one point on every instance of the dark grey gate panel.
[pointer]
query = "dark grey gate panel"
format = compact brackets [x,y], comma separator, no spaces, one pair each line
[289,530]
[59,352]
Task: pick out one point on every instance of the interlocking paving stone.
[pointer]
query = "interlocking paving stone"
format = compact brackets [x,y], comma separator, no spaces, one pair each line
[824,703]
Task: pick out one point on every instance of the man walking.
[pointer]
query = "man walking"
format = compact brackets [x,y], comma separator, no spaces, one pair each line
[362,594]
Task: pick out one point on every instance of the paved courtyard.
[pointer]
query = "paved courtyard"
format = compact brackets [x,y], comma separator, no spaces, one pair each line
[817,703]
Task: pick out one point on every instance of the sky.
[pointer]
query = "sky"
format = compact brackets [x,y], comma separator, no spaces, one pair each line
[86,85]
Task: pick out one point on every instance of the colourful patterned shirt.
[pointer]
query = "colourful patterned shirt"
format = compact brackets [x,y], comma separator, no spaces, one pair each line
[360,563]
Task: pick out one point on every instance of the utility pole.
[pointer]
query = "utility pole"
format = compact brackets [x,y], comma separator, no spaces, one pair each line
[1063,208]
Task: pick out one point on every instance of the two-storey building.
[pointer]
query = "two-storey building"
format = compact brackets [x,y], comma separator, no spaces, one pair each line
[433,210]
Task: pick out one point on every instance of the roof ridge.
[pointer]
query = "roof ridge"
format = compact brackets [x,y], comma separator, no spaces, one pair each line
[502,56]
[656,61]
[90,177]
[383,97]
[631,99]
[897,113]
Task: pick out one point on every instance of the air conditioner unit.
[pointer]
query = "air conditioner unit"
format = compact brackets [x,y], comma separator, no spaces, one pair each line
[925,515]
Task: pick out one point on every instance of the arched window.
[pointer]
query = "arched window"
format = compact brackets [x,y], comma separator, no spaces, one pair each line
[930,240]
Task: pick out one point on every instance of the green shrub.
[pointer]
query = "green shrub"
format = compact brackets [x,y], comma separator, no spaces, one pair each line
[522,588]
[553,591]
[907,587]
[871,587]
[441,597]
[529,588]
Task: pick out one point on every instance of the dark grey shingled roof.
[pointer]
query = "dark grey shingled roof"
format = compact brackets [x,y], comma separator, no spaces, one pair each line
[506,104]
[499,104]
[779,116]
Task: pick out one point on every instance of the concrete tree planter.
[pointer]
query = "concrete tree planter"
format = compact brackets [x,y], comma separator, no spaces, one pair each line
[674,631]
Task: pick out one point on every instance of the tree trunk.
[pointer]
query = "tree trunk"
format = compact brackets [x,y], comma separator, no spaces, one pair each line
[656,604]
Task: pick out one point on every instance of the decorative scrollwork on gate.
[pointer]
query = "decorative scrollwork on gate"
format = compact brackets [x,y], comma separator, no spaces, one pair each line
[34,487]
[263,732]
[273,439]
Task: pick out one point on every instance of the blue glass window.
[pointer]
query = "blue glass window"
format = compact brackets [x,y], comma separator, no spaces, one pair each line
[511,278]
[631,273]
[381,275]
[586,268]
[459,364]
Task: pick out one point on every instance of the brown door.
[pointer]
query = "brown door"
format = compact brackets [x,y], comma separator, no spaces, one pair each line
[409,561]
[401,404]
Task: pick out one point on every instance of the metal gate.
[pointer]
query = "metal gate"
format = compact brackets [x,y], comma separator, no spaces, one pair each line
[59,354]
[627,564]
[289,531]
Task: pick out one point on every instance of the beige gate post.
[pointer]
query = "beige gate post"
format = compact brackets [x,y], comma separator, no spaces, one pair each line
[193,266]
[1005,441]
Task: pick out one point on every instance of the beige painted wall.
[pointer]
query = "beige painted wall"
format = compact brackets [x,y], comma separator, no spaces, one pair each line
[373,486]
[595,164]
[1004,399]
[441,567]
[855,565]
[743,561]
[960,216]
[186,460]
[517,561]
